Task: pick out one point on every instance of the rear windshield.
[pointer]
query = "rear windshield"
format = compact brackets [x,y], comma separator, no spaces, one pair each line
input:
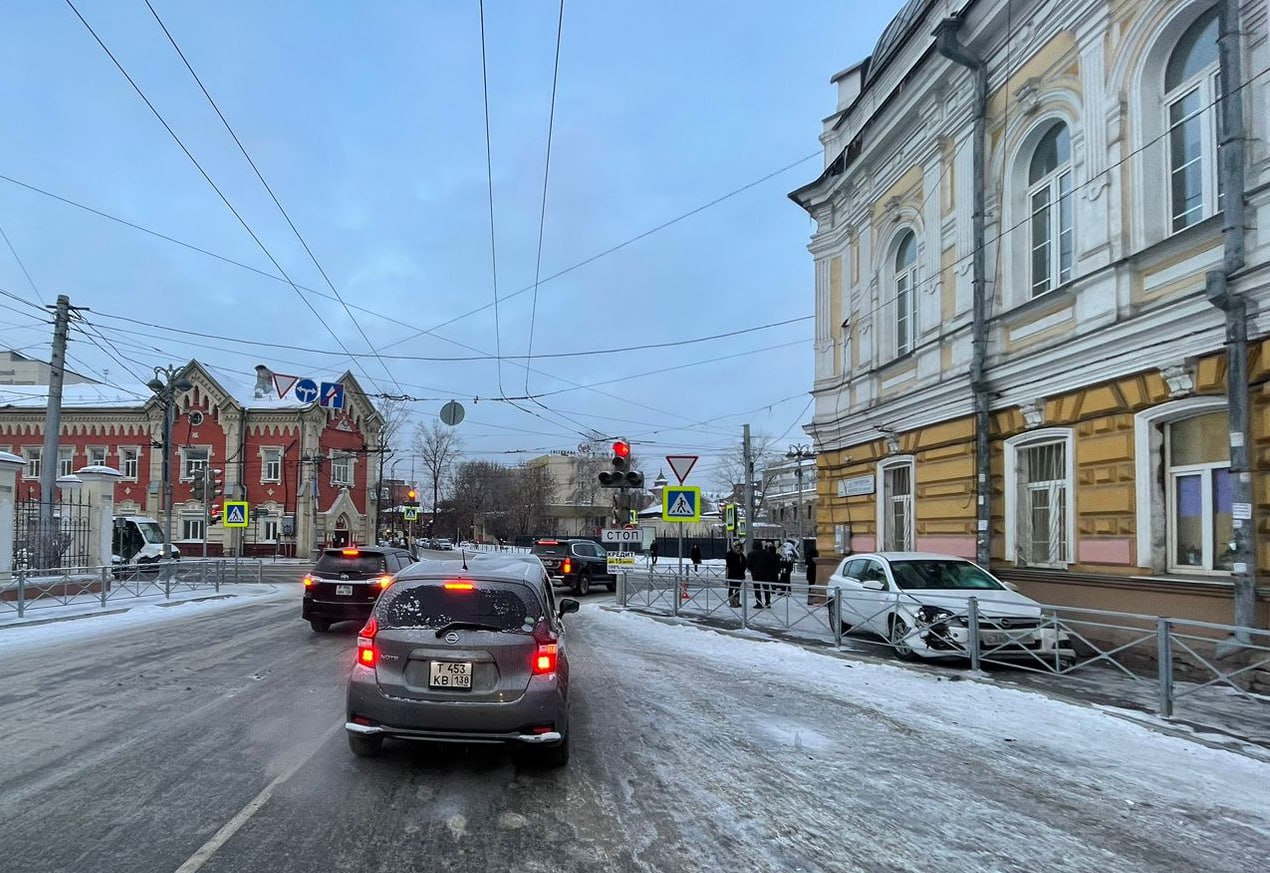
[431,605]
[551,548]
[334,562]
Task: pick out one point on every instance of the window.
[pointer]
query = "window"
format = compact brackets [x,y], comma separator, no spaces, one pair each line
[1191,89]
[97,456]
[896,489]
[271,530]
[32,456]
[271,465]
[905,293]
[193,459]
[341,469]
[1042,504]
[128,462]
[192,528]
[65,460]
[1200,493]
[1050,210]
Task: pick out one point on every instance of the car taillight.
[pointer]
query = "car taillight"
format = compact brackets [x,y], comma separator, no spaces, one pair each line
[350,553]
[545,659]
[308,582]
[459,586]
[367,652]
[384,582]
[567,566]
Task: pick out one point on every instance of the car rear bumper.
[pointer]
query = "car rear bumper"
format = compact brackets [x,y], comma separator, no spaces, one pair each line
[436,736]
[336,611]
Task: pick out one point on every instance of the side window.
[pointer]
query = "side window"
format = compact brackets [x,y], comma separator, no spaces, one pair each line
[550,596]
[872,572]
[851,568]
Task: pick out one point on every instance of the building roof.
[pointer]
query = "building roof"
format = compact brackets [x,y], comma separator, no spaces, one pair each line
[83,395]
[896,34]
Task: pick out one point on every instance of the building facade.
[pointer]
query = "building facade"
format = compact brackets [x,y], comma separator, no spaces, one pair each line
[1035,234]
[18,369]
[578,506]
[307,472]
[789,496]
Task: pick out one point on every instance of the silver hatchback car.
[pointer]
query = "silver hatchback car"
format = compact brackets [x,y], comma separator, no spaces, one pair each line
[468,651]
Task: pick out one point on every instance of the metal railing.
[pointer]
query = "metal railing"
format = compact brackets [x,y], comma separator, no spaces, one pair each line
[88,586]
[1152,661]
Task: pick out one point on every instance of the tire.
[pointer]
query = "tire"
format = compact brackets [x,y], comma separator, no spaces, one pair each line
[899,630]
[364,746]
[582,587]
[320,625]
[846,628]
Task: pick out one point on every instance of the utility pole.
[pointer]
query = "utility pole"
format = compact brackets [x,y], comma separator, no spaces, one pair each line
[48,552]
[748,463]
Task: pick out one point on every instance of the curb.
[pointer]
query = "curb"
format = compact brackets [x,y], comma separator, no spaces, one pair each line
[36,622]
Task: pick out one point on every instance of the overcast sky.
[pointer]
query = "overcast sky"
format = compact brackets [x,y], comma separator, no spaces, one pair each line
[367,120]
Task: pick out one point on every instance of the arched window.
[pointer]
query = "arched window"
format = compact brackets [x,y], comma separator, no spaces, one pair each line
[1191,89]
[1049,181]
[905,293]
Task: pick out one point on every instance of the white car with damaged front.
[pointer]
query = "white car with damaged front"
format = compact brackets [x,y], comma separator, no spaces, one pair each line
[920,604]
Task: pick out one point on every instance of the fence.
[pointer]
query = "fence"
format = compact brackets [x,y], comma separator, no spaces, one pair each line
[1156,662]
[35,589]
[52,536]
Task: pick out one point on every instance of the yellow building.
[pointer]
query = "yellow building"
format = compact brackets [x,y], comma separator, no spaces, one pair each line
[1025,231]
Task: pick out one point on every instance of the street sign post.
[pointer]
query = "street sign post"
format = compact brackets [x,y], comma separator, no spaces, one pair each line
[681,503]
[410,513]
[621,535]
[681,465]
[237,513]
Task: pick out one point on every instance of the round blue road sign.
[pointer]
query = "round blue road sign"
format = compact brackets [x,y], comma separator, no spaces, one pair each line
[306,391]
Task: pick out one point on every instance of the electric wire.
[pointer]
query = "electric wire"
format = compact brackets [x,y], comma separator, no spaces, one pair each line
[25,271]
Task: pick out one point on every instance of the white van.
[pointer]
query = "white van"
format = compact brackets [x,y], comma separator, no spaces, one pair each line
[136,539]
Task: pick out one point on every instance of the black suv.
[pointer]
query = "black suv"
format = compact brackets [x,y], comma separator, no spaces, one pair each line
[576,563]
[345,583]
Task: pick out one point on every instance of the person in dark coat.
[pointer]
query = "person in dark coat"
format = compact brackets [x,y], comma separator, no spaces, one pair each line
[652,552]
[759,566]
[734,564]
[695,555]
[810,554]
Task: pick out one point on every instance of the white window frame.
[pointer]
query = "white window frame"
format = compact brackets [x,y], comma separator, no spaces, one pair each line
[347,460]
[1206,83]
[1208,547]
[125,460]
[271,529]
[908,501]
[1152,514]
[65,461]
[189,464]
[34,456]
[270,455]
[1052,184]
[906,312]
[1023,442]
[103,450]
[197,523]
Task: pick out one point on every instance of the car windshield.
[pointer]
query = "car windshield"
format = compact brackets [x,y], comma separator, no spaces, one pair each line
[431,605]
[151,531]
[552,548]
[335,562]
[942,574]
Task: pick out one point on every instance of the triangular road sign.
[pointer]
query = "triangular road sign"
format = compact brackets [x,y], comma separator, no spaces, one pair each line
[681,465]
[283,384]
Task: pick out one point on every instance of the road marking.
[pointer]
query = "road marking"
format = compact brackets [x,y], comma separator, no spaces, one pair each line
[231,827]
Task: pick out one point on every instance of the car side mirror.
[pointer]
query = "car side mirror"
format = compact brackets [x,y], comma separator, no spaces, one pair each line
[873,585]
[568,605]
[1010,585]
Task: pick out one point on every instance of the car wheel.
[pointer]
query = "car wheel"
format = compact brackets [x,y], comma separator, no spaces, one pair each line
[319,625]
[846,628]
[583,586]
[899,631]
[364,746]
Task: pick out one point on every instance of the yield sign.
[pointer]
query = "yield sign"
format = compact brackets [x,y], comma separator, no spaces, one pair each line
[681,465]
[283,384]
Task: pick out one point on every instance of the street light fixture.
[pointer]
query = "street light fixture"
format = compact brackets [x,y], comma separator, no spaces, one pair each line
[165,384]
[798,453]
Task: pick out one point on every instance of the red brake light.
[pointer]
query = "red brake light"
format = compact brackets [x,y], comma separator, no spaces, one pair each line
[459,586]
[567,566]
[308,582]
[367,652]
[549,542]
[545,660]
[350,553]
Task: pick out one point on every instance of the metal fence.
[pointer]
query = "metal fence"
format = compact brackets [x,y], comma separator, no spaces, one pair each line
[1153,661]
[30,590]
[52,536]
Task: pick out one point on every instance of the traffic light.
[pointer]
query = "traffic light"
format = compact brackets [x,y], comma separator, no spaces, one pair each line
[215,484]
[411,495]
[200,485]
[622,476]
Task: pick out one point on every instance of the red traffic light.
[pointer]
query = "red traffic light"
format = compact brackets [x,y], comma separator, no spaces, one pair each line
[622,449]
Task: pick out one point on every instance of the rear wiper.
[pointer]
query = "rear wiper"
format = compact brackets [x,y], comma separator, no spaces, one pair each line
[466,625]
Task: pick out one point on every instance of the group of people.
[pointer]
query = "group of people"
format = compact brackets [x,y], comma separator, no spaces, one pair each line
[770,567]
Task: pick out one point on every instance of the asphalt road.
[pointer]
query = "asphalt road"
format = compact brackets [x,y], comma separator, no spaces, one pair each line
[214,743]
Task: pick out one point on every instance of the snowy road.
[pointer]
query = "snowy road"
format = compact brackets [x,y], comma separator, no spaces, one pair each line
[210,740]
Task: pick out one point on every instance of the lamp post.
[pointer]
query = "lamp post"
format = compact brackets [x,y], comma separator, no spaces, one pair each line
[798,453]
[165,384]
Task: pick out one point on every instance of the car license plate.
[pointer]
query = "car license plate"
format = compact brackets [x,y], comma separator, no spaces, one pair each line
[451,674]
[1001,639]
[343,590]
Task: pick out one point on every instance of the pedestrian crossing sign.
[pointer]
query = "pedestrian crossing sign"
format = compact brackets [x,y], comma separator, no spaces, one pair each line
[410,513]
[237,513]
[681,503]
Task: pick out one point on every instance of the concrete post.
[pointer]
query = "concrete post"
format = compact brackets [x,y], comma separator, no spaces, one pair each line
[10,467]
[99,491]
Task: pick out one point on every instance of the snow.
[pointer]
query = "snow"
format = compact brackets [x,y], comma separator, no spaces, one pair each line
[86,395]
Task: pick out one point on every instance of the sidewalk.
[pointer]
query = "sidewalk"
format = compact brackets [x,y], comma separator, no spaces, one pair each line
[89,606]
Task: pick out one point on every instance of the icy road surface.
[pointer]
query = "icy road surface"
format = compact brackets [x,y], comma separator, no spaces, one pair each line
[207,737]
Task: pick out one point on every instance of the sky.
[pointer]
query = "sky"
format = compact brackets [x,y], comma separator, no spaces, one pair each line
[368,122]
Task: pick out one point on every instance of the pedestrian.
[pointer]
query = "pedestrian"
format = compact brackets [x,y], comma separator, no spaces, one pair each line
[774,569]
[757,562]
[787,566]
[652,552]
[695,555]
[810,554]
[734,570]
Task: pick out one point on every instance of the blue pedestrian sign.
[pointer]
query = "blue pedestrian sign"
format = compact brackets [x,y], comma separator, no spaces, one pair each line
[237,513]
[681,503]
[332,395]
[306,391]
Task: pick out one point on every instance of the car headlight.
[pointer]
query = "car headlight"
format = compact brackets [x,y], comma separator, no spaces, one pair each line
[933,615]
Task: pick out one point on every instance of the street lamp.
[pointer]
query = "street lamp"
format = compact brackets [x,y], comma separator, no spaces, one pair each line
[165,384]
[798,453]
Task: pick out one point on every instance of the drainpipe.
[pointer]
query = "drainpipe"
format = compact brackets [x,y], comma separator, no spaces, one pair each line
[1230,155]
[948,45]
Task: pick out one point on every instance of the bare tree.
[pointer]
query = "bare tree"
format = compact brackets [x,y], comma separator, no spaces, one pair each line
[729,468]
[395,414]
[438,447]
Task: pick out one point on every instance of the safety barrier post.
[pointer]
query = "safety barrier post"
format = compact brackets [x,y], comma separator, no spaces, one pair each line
[217,570]
[745,603]
[674,597]
[835,616]
[21,593]
[973,635]
[621,589]
[105,584]
[1164,653]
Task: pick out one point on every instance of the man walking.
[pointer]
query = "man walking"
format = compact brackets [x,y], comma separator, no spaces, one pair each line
[652,552]
[757,561]
[734,563]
